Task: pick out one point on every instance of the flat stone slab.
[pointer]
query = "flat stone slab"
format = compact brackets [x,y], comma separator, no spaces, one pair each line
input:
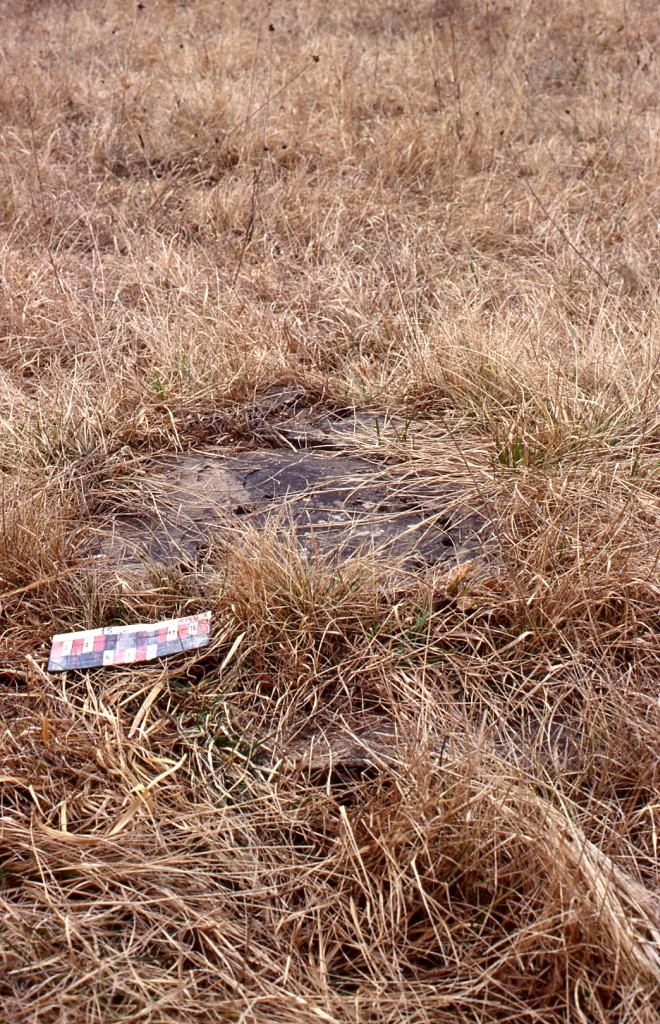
[342,432]
[375,742]
[336,506]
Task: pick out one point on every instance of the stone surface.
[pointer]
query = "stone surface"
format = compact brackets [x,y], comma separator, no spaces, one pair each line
[375,742]
[331,482]
[340,432]
[336,506]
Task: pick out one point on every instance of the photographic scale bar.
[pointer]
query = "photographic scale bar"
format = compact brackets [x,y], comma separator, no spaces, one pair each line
[124,645]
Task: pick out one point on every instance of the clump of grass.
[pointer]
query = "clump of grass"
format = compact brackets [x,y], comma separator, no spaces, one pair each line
[291,604]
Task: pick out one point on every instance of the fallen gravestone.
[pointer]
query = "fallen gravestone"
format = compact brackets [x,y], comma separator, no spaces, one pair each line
[337,505]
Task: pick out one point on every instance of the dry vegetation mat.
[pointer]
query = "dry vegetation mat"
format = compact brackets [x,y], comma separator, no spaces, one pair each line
[339,321]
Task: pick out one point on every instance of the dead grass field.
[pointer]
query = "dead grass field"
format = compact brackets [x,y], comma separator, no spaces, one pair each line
[383,794]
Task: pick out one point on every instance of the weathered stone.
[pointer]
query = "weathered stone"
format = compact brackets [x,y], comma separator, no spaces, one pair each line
[336,505]
[375,742]
[311,429]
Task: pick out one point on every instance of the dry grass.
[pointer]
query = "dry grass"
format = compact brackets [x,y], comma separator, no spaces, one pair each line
[452,214]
